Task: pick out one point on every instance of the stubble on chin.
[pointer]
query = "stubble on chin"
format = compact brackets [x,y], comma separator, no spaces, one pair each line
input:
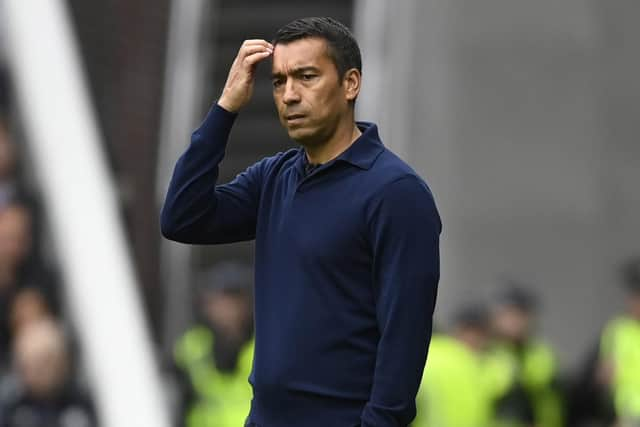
[304,137]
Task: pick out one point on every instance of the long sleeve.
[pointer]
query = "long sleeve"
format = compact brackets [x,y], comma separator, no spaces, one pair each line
[404,227]
[196,210]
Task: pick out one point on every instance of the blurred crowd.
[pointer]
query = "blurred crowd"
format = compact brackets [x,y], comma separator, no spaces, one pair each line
[490,368]
[40,383]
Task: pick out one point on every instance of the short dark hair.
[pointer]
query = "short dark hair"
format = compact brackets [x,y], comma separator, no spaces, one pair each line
[227,276]
[518,295]
[473,316]
[342,46]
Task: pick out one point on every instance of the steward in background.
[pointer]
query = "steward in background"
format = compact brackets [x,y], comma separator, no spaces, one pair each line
[453,390]
[214,356]
[522,369]
[620,353]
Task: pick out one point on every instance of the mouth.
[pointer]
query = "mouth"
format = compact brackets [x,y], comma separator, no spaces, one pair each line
[294,118]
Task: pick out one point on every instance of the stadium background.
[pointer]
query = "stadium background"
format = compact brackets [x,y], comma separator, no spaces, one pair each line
[522,115]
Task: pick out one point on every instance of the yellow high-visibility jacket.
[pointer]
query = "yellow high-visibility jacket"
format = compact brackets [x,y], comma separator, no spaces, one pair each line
[222,399]
[531,369]
[620,345]
[452,393]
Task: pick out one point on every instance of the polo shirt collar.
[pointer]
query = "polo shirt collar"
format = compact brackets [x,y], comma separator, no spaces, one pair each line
[365,150]
[362,153]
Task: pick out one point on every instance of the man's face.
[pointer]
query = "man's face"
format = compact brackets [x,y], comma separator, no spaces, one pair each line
[475,338]
[229,313]
[41,359]
[512,323]
[28,306]
[309,94]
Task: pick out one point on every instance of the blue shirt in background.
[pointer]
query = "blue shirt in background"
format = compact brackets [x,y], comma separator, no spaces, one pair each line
[346,274]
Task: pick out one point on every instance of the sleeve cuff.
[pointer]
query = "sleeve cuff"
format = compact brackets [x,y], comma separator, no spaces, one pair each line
[217,123]
[217,106]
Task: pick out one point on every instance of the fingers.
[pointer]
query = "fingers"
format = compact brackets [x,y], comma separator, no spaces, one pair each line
[257,42]
[239,86]
[251,49]
[253,59]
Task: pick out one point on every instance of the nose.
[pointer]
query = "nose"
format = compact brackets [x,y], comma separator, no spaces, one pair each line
[290,95]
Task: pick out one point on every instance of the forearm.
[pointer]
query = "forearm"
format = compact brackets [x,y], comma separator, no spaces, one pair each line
[191,197]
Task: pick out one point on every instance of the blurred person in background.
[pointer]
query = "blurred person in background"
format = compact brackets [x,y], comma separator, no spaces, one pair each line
[20,262]
[620,352]
[19,266]
[214,357]
[13,189]
[45,393]
[453,392]
[521,369]
[15,246]
[29,305]
[347,238]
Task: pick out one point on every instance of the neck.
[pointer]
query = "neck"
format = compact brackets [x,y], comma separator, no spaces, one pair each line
[343,137]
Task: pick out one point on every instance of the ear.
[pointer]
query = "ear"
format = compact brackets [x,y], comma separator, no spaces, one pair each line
[351,83]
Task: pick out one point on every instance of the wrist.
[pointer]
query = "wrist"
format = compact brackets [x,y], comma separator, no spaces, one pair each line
[227,105]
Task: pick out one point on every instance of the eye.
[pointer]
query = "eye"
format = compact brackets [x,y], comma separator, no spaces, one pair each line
[308,77]
[277,83]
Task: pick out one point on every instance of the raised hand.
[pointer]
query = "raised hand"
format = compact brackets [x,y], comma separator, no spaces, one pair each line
[239,86]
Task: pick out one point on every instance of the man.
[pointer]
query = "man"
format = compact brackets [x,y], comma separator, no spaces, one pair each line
[16,238]
[620,352]
[453,391]
[214,356]
[30,304]
[45,392]
[521,369]
[346,234]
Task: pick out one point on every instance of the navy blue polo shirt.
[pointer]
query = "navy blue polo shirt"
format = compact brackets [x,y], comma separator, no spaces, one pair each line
[346,274]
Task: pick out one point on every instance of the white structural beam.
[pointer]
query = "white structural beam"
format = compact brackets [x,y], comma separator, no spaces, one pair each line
[83,213]
[182,98]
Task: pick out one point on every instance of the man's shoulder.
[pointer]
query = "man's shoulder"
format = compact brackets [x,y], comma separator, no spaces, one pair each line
[394,183]
[391,170]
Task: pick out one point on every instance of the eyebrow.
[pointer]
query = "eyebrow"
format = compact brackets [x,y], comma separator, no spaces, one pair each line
[296,71]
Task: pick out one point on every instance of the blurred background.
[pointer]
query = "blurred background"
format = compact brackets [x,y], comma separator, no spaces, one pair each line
[523,117]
